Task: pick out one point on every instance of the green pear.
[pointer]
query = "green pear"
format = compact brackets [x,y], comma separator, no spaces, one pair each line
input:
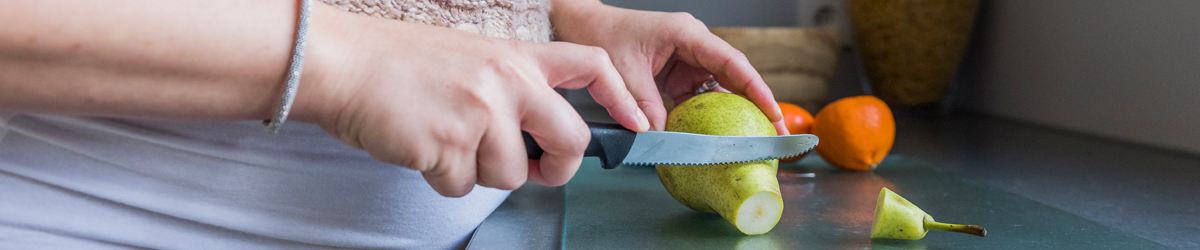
[745,194]
[896,218]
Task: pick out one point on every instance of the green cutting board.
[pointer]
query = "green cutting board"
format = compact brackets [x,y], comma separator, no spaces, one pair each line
[628,208]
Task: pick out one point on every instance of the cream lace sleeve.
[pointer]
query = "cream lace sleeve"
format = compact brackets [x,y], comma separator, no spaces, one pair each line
[526,20]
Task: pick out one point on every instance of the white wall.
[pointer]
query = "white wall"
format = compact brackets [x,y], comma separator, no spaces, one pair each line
[1123,69]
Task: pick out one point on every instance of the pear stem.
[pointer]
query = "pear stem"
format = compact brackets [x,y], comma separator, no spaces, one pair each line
[967,229]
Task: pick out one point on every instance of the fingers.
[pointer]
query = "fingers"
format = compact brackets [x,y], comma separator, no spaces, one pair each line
[729,66]
[500,165]
[640,82]
[684,79]
[574,66]
[447,184]
[452,175]
[499,161]
[683,82]
[561,133]
[781,128]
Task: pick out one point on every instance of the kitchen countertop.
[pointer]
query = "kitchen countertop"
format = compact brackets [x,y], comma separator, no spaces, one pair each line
[1103,191]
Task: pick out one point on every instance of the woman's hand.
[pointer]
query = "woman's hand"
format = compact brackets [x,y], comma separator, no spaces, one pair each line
[452,104]
[675,47]
[447,103]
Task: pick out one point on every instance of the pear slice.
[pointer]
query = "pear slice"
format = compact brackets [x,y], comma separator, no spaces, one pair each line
[897,218]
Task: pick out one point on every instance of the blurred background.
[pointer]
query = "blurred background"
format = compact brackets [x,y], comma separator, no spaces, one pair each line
[1089,107]
[1123,70]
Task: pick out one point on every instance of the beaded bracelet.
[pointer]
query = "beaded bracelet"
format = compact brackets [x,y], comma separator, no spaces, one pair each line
[293,78]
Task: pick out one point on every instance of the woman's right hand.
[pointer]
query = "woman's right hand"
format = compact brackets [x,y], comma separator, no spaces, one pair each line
[445,102]
[451,104]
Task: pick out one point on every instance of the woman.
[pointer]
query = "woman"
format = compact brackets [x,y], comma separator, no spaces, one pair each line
[136,123]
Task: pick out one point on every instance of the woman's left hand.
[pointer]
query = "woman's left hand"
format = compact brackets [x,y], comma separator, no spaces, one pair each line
[658,52]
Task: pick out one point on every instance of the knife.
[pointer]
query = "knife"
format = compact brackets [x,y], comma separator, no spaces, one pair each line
[616,146]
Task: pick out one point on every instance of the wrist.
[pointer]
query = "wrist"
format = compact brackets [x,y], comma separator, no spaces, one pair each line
[320,92]
[569,18]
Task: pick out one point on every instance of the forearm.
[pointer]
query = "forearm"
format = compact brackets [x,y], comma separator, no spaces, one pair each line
[210,60]
[571,17]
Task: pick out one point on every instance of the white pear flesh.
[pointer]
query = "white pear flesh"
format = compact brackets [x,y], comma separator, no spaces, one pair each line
[759,213]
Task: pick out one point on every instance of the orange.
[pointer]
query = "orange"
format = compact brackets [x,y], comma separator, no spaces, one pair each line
[798,121]
[855,132]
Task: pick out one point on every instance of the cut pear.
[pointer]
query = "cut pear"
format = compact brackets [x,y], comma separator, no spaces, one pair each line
[897,218]
[745,194]
[759,213]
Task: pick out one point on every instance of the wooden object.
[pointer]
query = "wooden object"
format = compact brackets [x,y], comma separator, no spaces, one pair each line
[797,63]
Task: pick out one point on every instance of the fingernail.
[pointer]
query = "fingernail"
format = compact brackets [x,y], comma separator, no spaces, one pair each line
[643,122]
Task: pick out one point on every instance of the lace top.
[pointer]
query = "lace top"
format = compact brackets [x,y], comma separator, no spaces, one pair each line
[526,20]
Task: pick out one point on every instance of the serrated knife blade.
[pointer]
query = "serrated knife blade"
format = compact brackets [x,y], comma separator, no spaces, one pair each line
[675,148]
[616,146]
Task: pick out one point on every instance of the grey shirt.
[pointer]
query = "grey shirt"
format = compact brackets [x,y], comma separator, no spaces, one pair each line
[70,182]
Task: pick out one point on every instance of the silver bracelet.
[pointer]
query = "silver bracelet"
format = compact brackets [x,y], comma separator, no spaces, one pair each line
[293,78]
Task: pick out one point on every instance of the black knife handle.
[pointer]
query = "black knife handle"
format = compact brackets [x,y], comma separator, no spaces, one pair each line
[610,142]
